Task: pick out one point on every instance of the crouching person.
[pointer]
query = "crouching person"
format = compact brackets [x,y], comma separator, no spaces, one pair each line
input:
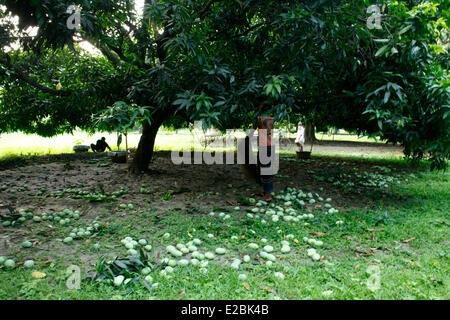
[100,146]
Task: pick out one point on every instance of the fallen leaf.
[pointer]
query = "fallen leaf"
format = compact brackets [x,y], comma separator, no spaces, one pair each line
[190,235]
[296,241]
[230,202]
[318,234]
[409,240]
[38,275]
[259,259]
[246,285]
[181,293]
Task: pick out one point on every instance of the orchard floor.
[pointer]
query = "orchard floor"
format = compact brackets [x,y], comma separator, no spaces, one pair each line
[392,244]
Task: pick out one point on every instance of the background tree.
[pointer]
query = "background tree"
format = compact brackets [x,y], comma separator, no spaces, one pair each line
[121,118]
[216,61]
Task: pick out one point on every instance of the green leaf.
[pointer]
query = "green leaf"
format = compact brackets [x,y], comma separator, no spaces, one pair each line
[381,40]
[405,29]
[147,285]
[269,89]
[278,87]
[382,50]
[387,96]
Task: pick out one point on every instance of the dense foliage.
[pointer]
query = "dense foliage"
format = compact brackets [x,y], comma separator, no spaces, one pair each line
[216,61]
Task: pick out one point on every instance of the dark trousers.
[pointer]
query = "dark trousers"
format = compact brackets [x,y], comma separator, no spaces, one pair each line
[265,152]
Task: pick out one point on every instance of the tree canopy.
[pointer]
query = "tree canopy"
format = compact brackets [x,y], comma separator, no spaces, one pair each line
[217,61]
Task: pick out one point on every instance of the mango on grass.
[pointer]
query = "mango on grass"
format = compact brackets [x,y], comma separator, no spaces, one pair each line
[129,245]
[221,251]
[132,252]
[172,263]
[28,264]
[26,244]
[242,277]
[118,280]
[209,255]
[145,271]
[183,262]
[68,240]
[169,269]
[38,275]
[9,264]
[316,257]
[279,275]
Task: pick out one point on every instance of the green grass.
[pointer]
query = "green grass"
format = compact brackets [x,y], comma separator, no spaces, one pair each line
[406,239]
[17,146]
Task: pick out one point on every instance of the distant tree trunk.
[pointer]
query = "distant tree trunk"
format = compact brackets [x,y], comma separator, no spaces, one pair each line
[310,135]
[145,148]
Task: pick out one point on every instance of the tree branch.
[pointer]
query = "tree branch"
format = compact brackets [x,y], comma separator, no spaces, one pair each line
[113,58]
[26,78]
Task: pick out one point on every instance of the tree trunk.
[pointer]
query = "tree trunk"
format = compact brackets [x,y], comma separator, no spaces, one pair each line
[144,151]
[310,135]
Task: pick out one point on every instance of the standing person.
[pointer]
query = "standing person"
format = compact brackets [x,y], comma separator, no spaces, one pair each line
[300,140]
[266,153]
[100,146]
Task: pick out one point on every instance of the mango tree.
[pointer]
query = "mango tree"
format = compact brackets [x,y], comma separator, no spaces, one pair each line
[216,61]
[121,118]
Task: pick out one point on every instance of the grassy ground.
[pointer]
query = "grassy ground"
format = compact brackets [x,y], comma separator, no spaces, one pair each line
[400,239]
[342,145]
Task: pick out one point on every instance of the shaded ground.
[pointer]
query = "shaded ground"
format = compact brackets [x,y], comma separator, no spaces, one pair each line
[53,183]
[96,174]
